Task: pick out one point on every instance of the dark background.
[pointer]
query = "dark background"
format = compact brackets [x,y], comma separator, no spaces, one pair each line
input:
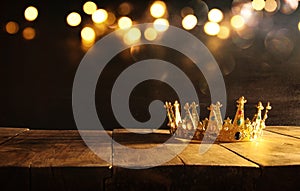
[36,76]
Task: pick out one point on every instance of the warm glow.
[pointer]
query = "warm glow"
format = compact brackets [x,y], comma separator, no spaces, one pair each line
[237,21]
[258,4]
[28,33]
[215,15]
[99,16]
[299,25]
[189,22]
[132,36]
[89,7]
[125,23]
[111,18]
[31,13]
[12,27]
[224,32]
[150,34]
[124,8]
[73,19]
[88,34]
[211,28]
[161,25]
[271,6]
[158,9]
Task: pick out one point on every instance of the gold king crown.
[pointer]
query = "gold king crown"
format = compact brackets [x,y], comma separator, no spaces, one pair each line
[213,128]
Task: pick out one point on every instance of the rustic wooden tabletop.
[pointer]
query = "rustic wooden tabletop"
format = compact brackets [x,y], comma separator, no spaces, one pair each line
[60,160]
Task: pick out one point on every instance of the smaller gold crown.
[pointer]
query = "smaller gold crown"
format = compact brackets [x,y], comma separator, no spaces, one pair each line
[213,127]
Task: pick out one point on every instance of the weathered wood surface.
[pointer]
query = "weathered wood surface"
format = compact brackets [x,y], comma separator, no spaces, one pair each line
[53,160]
[61,160]
[285,130]
[8,133]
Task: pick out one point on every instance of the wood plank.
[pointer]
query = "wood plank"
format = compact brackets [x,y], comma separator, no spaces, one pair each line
[293,131]
[279,158]
[58,160]
[7,133]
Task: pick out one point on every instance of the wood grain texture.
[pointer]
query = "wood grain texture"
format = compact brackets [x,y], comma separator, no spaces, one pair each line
[292,131]
[7,133]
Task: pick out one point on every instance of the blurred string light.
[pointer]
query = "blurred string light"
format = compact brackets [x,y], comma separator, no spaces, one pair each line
[271,6]
[31,13]
[224,32]
[211,28]
[150,34]
[12,27]
[124,8]
[215,15]
[237,22]
[88,35]
[29,33]
[189,22]
[299,25]
[161,25]
[258,5]
[99,16]
[158,9]
[89,7]
[132,36]
[124,23]
[73,19]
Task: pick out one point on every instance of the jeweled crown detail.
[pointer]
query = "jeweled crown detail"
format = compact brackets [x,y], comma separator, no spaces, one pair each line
[240,129]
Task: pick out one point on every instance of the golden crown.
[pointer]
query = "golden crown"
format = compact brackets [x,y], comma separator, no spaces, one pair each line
[213,128]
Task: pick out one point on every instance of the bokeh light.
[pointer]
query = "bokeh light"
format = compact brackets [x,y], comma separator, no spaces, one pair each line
[89,7]
[99,16]
[189,22]
[29,33]
[215,15]
[124,8]
[271,6]
[161,25]
[158,9]
[237,22]
[150,34]
[124,23]
[31,13]
[186,11]
[299,25]
[211,28]
[132,36]
[289,6]
[224,32]
[88,34]
[12,27]
[73,19]
[111,18]
[258,4]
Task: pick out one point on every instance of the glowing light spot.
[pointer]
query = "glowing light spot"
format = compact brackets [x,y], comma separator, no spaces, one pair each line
[299,25]
[271,6]
[189,22]
[111,18]
[237,22]
[224,32]
[150,34]
[12,27]
[124,8]
[258,4]
[99,16]
[89,7]
[158,9]
[289,6]
[125,23]
[28,33]
[161,25]
[215,15]
[186,11]
[31,13]
[211,28]
[88,34]
[73,19]
[132,36]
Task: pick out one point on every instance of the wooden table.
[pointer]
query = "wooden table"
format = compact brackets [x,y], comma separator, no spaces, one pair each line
[60,160]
